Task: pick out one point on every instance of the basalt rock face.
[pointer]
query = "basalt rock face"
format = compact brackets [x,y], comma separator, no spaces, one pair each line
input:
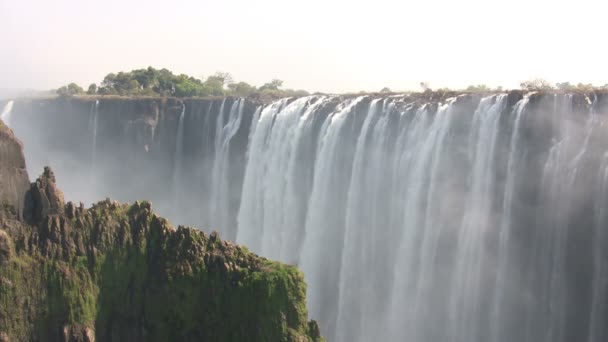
[14,181]
[126,148]
[485,212]
[120,273]
[117,272]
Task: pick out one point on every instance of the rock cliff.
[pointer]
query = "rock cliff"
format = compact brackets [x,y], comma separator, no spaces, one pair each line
[126,148]
[119,272]
[14,181]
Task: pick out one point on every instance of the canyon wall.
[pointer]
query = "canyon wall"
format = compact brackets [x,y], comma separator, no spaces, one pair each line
[414,217]
[127,149]
[119,272]
[14,181]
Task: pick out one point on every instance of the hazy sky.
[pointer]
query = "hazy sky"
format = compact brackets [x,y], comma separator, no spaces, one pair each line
[325,45]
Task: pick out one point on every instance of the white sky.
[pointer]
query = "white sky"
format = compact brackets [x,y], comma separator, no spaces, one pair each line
[331,45]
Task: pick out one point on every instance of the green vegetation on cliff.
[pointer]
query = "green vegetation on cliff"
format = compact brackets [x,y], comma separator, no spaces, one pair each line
[119,272]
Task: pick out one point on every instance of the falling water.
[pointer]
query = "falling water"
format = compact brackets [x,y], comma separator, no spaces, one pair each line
[464,219]
[177,165]
[597,327]
[5,116]
[476,219]
[505,223]
[324,229]
[412,227]
[264,204]
[353,297]
[93,127]
[220,191]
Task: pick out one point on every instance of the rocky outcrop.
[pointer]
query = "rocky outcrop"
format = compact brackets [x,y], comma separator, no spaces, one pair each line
[5,247]
[14,181]
[119,272]
[43,198]
[126,148]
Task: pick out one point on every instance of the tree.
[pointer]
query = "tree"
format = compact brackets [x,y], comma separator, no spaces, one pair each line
[70,89]
[185,89]
[275,84]
[564,86]
[107,85]
[224,77]
[108,81]
[480,88]
[585,87]
[298,92]
[92,89]
[162,82]
[536,84]
[241,89]
[425,87]
[133,86]
[385,90]
[213,86]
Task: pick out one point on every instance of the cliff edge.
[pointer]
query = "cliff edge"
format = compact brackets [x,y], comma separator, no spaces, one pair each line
[14,181]
[118,272]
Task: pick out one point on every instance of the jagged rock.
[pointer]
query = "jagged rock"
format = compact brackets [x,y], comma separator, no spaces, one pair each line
[14,180]
[84,268]
[78,333]
[70,210]
[139,279]
[5,247]
[43,198]
[314,331]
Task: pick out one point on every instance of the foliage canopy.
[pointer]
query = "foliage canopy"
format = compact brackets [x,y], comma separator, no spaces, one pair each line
[163,82]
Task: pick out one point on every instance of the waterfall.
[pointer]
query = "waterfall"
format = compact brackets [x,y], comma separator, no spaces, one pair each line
[324,229]
[410,225]
[597,328]
[177,165]
[92,179]
[221,196]
[353,298]
[271,215]
[5,116]
[206,166]
[93,128]
[474,218]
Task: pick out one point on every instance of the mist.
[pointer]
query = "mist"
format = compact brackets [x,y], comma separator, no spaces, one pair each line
[472,218]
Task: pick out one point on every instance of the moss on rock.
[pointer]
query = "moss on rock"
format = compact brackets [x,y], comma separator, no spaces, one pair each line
[120,273]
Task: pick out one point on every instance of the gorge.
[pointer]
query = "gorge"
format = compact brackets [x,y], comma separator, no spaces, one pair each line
[119,272]
[417,217]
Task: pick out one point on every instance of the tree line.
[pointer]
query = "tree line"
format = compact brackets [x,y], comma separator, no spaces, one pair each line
[162,82]
[155,82]
[536,84]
